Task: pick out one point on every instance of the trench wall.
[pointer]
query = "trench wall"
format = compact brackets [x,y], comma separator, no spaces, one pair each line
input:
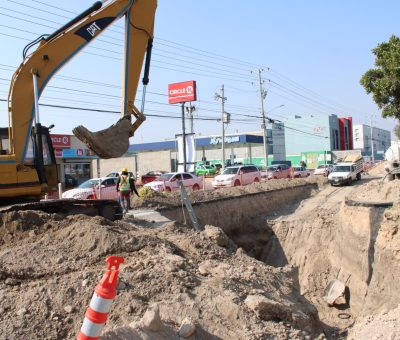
[241,217]
[357,245]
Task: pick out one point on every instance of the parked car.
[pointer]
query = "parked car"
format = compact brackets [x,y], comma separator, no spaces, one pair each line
[237,175]
[203,169]
[301,172]
[104,187]
[151,176]
[278,171]
[324,170]
[169,181]
[117,174]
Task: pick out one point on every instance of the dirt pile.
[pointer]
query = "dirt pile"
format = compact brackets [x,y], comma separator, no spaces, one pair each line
[173,199]
[49,266]
[378,191]
[327,239]
[384,325]
[378,170]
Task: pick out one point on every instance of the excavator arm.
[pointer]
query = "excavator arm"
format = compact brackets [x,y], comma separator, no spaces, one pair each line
[57,49]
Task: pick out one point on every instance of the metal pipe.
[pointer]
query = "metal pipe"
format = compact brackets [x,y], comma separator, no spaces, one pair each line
[59,190]
[36,98]
[223,126]
[184,137]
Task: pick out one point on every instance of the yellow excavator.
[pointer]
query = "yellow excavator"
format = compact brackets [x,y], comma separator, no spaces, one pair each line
[28,166]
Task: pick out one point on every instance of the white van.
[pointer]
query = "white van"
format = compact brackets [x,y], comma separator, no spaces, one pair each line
[234,176]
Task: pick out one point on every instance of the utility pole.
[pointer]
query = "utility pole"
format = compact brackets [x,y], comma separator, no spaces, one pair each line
[372,142]
[184,137]
[223,100]
[190,109]
[263,94]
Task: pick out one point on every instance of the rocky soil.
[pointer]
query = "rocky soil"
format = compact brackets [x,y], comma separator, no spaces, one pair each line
[49,266]
[177,282]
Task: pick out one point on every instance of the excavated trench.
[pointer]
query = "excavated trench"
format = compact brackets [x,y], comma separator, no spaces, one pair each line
[328,240]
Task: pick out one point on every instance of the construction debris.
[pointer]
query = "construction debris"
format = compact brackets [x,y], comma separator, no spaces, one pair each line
[262,279]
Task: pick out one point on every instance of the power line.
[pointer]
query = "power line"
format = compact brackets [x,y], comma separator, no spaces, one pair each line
[168,43]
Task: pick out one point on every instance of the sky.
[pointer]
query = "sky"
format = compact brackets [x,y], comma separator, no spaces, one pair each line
[312,55]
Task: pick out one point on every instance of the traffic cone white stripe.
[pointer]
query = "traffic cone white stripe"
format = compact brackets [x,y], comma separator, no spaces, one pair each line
[104,293]
[98,304]
[91,329]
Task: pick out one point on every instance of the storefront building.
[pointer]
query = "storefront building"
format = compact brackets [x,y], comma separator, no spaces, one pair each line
[242,148]
[74,160]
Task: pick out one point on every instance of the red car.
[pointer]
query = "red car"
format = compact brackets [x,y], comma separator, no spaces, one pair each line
[151,176]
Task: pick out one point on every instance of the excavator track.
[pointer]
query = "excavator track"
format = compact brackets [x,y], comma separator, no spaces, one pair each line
[109,209]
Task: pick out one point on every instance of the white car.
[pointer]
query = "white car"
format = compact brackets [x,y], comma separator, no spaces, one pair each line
[324,170]
[169,181]
[301,172]
[100,188]
[234,176]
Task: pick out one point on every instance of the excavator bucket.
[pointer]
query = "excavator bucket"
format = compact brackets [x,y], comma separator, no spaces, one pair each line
[112,142]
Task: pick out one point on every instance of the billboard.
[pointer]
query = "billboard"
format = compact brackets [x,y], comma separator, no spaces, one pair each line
[182,92]
[190,153]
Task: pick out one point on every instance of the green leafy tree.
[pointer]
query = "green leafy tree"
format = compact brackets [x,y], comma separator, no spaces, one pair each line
[383,81]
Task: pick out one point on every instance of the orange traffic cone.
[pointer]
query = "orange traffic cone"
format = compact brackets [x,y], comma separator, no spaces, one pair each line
[97,313]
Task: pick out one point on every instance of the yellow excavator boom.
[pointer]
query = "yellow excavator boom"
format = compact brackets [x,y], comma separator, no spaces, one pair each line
[28,167]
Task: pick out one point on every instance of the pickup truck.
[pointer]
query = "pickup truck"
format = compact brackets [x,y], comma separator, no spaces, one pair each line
[346,172]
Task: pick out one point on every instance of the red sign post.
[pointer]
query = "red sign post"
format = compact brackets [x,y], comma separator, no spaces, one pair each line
[182,92]
[61,141]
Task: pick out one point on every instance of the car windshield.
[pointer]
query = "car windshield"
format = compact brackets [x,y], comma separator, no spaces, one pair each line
[296,168]
[164,177]
[208,167]
[272,168]
[322,167]
[230,171]
[89,183]
[342,168]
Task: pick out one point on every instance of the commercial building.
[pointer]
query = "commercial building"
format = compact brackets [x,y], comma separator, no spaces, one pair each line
[240,148]
[317,132]
[74,160]
[362,135]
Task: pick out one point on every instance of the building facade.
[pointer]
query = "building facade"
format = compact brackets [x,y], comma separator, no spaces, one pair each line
[239,148]
[362,136]
[317,132]
[74,160]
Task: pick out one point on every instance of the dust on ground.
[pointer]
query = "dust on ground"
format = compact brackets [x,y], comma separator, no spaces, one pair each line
[50,264]
[383,325]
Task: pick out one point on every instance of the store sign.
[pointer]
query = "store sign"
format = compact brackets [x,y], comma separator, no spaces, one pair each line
[228,140]
[61,141]
[182,92]
[58,153]
[78,153]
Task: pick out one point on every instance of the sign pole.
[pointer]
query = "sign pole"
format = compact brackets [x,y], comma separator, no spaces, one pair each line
[184,137]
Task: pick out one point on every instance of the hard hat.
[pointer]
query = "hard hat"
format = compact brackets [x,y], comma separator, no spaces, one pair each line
[124,169]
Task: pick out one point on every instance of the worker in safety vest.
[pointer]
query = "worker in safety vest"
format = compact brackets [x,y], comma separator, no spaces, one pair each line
[125,186]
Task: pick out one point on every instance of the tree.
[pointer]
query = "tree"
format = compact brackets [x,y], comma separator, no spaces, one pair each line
[396,131]
[383,81]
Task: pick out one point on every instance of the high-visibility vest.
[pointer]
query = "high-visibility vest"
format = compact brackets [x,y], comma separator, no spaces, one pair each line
[124,184]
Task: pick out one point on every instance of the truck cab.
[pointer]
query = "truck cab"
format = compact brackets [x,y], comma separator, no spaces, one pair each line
[346,172]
